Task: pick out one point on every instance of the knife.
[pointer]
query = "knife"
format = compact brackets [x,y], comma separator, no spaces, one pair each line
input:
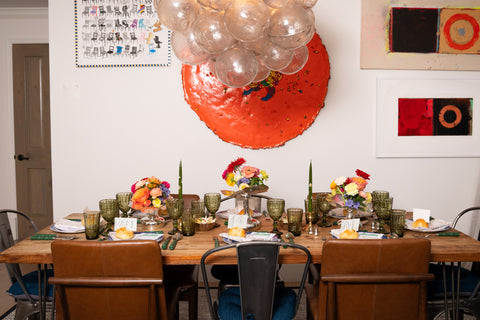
[165,243]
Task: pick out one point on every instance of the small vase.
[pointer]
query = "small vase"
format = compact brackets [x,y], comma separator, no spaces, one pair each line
[152,212]
[349,212]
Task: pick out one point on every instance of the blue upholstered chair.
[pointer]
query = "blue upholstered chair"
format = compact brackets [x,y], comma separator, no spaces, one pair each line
[258,296]
[24,288]
[469,297]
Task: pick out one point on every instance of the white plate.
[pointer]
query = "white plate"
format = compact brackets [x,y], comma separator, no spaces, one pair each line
[339,214]
[435,225]
[138,236]
[54,229]
[361,235]
[250,236]
[226,213]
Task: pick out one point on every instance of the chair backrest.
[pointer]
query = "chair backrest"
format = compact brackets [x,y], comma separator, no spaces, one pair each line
[475,265]
[109,280]
[6,240]
[378,279]
[187,199]
[257,270]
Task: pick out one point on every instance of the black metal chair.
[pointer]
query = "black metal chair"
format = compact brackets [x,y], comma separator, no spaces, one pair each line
[25,287]
[257,297]
[468,291]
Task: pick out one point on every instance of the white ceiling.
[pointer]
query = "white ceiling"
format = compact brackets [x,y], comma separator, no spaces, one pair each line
[23,3]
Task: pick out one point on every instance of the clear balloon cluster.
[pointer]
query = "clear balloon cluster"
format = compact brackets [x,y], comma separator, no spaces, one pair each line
[243,40]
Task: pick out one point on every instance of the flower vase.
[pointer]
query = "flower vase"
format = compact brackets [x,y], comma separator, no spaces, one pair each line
[152,212]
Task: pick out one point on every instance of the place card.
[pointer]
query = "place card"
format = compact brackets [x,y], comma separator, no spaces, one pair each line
[129,223]
[421,214]
[236,220]
[349,224]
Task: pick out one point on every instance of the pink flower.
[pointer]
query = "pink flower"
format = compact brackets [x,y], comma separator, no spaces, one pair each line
[155,192]
[249,172]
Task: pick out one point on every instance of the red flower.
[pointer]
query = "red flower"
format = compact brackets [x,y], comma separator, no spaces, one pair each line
[232,166]
[362,174]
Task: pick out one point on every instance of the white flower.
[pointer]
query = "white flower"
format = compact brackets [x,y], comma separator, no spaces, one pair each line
[340,180]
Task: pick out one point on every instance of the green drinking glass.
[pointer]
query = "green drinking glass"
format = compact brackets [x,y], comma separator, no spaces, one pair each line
[123,199]
[212,202]
[109,210]
[275,208]
[324,206]
[175,210]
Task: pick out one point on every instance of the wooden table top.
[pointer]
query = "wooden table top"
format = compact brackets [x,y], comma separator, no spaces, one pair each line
[189,250]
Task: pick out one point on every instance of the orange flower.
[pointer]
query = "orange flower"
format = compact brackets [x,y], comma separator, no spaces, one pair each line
[155,192]
[154,180]
[360,182]
[140,199]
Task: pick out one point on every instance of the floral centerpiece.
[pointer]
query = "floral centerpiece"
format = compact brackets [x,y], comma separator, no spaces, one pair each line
[149,193]
[243,176]
[349,192]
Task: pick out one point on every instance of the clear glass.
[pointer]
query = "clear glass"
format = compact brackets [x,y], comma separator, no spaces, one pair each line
[175,210]
[275,208]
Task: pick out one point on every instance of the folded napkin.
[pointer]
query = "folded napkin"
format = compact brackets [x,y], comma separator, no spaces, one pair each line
[361,235]
[251,236]
[69,225]
[155,235]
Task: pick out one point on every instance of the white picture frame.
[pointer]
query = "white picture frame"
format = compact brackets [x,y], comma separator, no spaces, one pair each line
[390,145]
[110,33]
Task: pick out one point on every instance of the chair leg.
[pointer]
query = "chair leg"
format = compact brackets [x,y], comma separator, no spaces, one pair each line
[193,303]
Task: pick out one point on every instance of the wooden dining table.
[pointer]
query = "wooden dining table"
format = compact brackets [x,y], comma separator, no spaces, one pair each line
[189,250]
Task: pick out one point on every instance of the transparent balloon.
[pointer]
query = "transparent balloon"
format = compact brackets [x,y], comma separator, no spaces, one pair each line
[255,46]
[300,57]
[186,49]
[274,57]
[178,15]
[276,3]
[290,27]
[305,3]
[262,72]
[211,34]
[247,20]
[211,66]
[217,5]
[236,67]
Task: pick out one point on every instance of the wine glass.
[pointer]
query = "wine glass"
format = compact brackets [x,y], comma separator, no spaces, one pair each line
[123,199]
[175,210]
[275,208]
[212,202]
[324,206]
[382,209]
[109,210]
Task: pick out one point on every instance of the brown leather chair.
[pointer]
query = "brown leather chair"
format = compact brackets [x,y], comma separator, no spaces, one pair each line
[371,279]
[185,277]
[110,280]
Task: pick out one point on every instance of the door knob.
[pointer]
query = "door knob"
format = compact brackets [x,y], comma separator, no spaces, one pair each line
[21,157]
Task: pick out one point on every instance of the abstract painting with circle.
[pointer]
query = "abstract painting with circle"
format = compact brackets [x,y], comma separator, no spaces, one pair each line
[413,34]
[435,116]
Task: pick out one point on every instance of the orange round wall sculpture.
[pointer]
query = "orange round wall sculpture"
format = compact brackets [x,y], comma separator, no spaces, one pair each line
[264,114]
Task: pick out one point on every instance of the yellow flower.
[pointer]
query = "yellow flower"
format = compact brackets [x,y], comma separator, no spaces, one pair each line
[351,189]
[157,203]
[333,185]
[264,174]
[243,186]
[369,197]
[230,179]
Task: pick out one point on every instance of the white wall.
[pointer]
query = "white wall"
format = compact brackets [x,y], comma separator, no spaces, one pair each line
[16,26]
[112,126]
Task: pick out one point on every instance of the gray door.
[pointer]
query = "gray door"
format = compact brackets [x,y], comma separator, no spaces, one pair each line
[32,134]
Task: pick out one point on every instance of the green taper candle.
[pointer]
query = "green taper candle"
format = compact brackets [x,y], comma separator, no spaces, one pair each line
[180,183]
[310,188]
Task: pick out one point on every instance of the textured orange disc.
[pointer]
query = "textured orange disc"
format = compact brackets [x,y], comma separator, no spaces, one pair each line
[265,114]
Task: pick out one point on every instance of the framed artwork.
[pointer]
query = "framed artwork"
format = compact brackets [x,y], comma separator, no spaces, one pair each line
[111,33]
[427,118]
[420,34]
